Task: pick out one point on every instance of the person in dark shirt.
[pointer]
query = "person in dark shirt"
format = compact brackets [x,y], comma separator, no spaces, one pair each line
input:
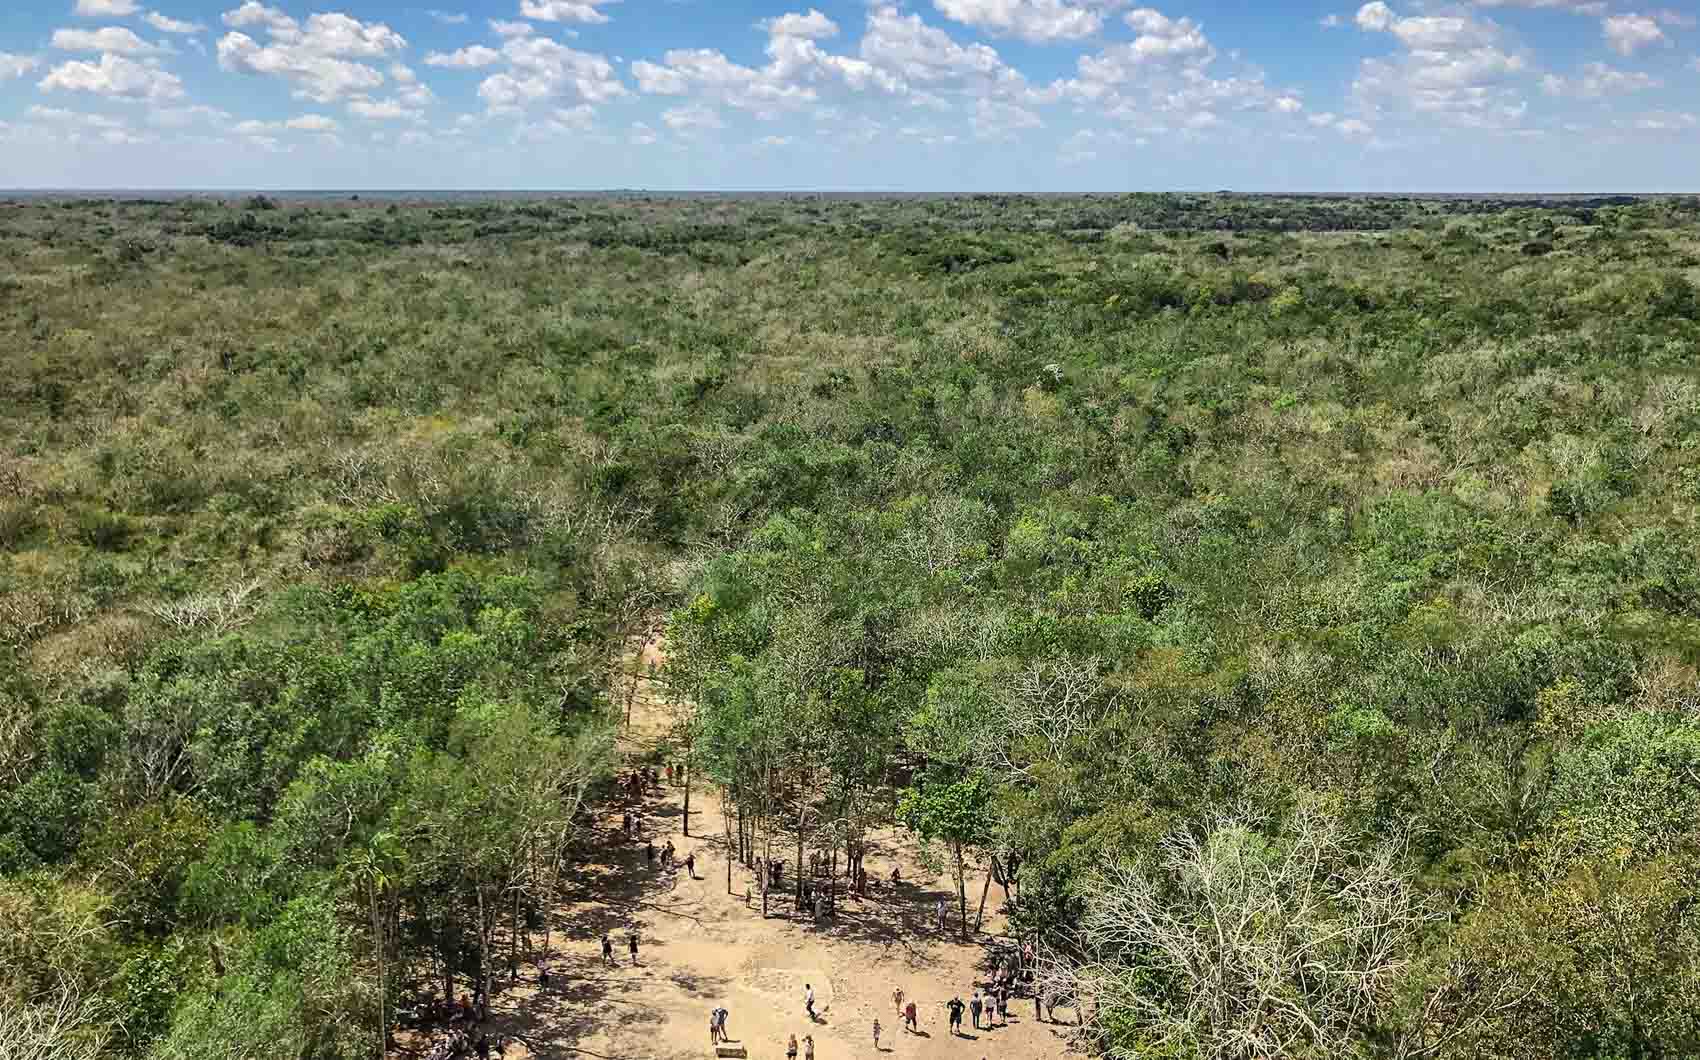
[955,1007]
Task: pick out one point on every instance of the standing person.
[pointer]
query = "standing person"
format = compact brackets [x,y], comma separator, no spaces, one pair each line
[808,1047]
[631,944]
[791,1048]
[649,853]
[940,907]
[974,1006]
[809,1001]
[691,864]
[897,1000]
[911,1020]
[607,949]
[543,974]
[714,1027]
[955,1007]
[483,1046]
[723,1015]
[876,1034]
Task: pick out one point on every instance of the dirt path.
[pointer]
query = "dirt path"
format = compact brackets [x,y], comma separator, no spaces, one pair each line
[700,948]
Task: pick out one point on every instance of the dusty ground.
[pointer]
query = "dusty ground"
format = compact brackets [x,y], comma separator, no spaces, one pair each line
[700,947]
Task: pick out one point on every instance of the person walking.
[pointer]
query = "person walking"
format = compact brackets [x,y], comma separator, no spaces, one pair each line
[607,949]
[940,907]
[897,1000]
[808,1047]
[955,1007]
[876,1034]
[912,1021]
[631,944]
[809,1001]
[791,1048]
[974,1006]
[691,864]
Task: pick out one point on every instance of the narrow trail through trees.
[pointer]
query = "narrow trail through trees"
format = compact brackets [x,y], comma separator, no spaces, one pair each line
[701,947]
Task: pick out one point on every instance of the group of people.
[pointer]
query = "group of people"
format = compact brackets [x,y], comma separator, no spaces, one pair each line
[608,947]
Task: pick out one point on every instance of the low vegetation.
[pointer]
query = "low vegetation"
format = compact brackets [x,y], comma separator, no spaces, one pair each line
[1293,604]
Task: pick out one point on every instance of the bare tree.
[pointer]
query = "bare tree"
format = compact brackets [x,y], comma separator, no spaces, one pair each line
[219,612]
[1258,948]
[61,1025]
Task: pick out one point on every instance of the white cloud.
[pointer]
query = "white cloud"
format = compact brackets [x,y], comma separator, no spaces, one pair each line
[105,8]
[171,25]
[1662,121]
[469,58]
[695,117]
[995,120]
[510,29]
[1578,7]
[1332,22]
[1454,70]
[1676,19]
[1597,80]
[318,59]
[1161,36]
[797,70]
[641,135]
[1626,34]
[1038,21]
[116,77]
[114,39]
[61,116]
[812,26]
[182,117]
[915,51]
[15,65]
[313,123]
[563,10]
[379,109]
[540,69]
[449,18]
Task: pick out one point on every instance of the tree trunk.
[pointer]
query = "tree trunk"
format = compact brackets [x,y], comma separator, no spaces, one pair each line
[980,915]
[513,942]
[962,889]
[378,953]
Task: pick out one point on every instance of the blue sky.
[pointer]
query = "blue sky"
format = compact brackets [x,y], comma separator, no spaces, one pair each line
[976,95]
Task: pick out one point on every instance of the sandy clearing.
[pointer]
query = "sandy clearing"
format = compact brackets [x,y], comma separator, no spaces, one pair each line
[700,947]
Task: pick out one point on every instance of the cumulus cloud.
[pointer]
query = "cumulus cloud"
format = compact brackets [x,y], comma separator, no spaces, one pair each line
[510,29]
[469,58]
[1454,69]
[543,70]
[564,10]
[114,39]
[1627,34]
[106,8]
[182,117]
[380,109]
[797,69]
[320,58]
[1598,80]
[996,120]
[115,77]
[171,25]
[810,26]
[1038,21]
[15,65]
[695,117]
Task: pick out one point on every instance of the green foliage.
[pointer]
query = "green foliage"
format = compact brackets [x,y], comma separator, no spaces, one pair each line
[1078,519]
